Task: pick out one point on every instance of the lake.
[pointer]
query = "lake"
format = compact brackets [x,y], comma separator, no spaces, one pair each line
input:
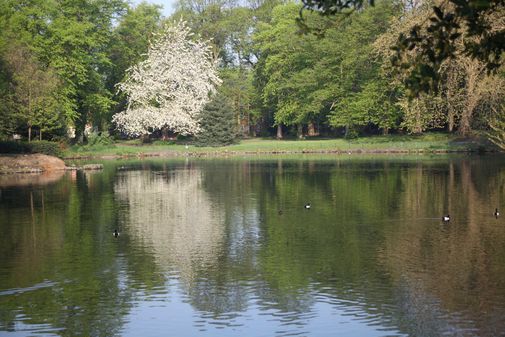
[226,247]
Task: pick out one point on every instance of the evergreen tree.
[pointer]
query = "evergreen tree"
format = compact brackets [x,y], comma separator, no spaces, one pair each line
[218,125]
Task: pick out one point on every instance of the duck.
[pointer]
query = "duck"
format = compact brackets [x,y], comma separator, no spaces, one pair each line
[446,218]
[496,213]
[115,233]
[307,206]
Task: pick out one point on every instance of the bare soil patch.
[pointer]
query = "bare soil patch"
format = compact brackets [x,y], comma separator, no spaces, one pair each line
[30,163]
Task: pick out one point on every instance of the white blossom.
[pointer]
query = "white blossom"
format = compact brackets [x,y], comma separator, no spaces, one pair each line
[171,87]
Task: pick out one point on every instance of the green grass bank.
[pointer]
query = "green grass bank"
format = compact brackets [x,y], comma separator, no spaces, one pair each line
[429,143]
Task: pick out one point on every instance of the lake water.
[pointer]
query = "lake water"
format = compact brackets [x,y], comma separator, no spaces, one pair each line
[225,247]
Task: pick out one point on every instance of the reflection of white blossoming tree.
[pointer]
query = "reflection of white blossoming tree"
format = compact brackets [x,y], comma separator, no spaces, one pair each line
[170,88]
[172,214]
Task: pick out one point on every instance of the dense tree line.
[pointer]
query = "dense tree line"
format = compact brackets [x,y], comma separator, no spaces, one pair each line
[61,62]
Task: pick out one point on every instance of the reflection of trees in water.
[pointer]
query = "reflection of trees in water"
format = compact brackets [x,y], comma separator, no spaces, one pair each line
[25,179]
[64,275]
[366,247]
[169,212]
[458,263]
[365,244]
[370,240]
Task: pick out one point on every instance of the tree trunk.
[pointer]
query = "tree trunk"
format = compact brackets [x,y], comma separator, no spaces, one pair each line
[311,130]
[299,131]
[473,71]
[29,114]
[452,85]
[164,133]
[418,129]
[40,134]
[144,139]
[385,131]
[450,119]
[279,131]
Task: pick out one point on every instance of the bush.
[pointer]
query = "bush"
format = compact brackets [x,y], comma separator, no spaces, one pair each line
[351,134]
[43,146]
[14,147]
[46,147]
[100,138]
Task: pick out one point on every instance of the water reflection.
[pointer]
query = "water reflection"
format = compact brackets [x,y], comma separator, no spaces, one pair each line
[451,269]
[169,212]
[28,179]
[227,247]
[56,275]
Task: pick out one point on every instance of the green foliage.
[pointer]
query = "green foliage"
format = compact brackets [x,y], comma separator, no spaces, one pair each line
[287,78]
[14,147]
[371,105]
[217,123]
[72,53]
[100,138]
[32,95]
[237,88]
[7,119]
[70,38]
[310,79]
[42,146]
[128,44]
[46,147]
[439,42]
[496,132]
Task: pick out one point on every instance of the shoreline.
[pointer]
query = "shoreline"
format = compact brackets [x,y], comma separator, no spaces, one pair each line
[39,164]
[430,144]
[395,144]
[30,164]
[220,153]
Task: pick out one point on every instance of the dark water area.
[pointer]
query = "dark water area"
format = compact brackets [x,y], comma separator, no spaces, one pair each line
[225,247]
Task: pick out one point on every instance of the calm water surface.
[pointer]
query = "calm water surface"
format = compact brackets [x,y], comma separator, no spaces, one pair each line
[226,248]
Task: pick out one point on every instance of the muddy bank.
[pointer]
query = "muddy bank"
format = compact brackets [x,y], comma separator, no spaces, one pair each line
[30,163]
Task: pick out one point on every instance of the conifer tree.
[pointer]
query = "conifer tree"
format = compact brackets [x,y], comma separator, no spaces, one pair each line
[218,123]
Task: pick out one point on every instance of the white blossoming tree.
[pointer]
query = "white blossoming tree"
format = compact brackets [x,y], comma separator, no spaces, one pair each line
[170,87]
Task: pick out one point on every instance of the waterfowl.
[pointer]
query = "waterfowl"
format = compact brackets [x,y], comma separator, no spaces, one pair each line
[280,212]
[307,206]
[496,213]
[446,218]
[115,233]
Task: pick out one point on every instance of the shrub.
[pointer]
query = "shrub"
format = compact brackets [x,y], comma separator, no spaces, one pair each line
[46,147]
[100,138]
[14,147]
[43,146]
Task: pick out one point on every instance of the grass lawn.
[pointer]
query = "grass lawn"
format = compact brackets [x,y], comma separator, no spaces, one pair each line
[431,142]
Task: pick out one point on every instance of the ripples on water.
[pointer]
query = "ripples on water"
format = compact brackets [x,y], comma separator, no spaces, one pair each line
[226,248]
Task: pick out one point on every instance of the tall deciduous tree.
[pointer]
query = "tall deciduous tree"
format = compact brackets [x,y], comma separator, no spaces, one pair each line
[170,87]
[465,89]
[288,69]
[497,127]
[34,91]
[131,37]
[448,21]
